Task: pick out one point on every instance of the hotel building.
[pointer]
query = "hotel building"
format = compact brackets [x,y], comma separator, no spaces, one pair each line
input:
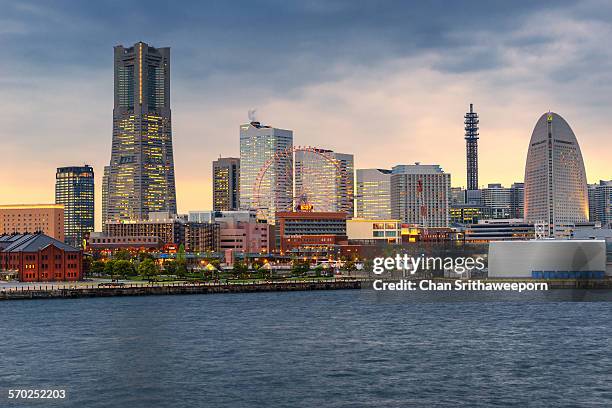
[420,195]
[271,191]
[30,218]
[140,176]
[555,178]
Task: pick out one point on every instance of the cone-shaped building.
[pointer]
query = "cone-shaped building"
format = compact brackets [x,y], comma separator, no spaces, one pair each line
[555,179]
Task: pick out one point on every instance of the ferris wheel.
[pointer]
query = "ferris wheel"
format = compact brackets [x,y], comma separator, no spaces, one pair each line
[298,178]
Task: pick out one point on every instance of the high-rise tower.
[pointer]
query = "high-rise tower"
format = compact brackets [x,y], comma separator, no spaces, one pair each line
[420,194]
[555,179]
[74,188]
[140,177]
[258,145]
[226,184]
[471,148]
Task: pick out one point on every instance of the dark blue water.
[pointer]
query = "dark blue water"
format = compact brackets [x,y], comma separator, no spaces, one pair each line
[304,349]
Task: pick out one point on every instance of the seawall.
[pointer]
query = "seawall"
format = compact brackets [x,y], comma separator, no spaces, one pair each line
[50,292]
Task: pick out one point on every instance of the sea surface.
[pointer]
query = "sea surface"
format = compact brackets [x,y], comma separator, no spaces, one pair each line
[346,348]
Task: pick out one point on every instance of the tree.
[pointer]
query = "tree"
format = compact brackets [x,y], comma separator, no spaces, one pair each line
[181,261]
[180,254]
[299,267]
[240,268]
[109,267]
[123,255]
[97,267]
[318,270]
[123,268]
[170,267]
[145,255]
[148,268]
[181,268]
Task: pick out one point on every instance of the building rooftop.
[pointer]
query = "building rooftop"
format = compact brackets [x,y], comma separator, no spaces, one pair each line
[30,206]
[35,242]
[417,168]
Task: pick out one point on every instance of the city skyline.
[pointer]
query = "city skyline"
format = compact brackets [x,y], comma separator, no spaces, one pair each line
[406,117]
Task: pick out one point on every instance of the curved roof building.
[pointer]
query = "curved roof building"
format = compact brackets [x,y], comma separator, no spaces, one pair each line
[555,179]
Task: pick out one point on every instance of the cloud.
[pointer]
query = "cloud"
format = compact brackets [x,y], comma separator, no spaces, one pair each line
[389,82]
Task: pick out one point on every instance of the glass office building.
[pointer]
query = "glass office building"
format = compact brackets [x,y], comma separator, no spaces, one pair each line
[74,189]
[373,194]
[266,169]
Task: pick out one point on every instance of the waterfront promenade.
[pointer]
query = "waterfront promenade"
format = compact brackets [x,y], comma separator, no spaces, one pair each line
[86,289]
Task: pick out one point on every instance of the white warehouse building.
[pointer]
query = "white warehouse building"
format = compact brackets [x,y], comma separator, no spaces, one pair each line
[548,259]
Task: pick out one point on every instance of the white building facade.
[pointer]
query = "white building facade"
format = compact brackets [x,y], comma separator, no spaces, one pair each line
[266,175]
[555,177]
[420,195]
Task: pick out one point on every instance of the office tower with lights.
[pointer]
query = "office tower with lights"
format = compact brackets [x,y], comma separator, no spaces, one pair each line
[555,178]
[271,190]
[324,181]
[140,176]
[226,184]
[420,195]
[373,194]
[471,148]
[74,189]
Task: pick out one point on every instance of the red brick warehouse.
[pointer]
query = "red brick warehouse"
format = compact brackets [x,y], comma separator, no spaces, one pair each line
[40,258]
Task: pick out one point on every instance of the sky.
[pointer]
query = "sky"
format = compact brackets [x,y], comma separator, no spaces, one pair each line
[388,81]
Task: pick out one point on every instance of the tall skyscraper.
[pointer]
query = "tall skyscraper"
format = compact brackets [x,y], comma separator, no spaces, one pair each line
[226,184]
[555,179]
[373,194]
[324,180]
[140,176]
[420,195]
[471,148]
[74,189]
[261,145]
